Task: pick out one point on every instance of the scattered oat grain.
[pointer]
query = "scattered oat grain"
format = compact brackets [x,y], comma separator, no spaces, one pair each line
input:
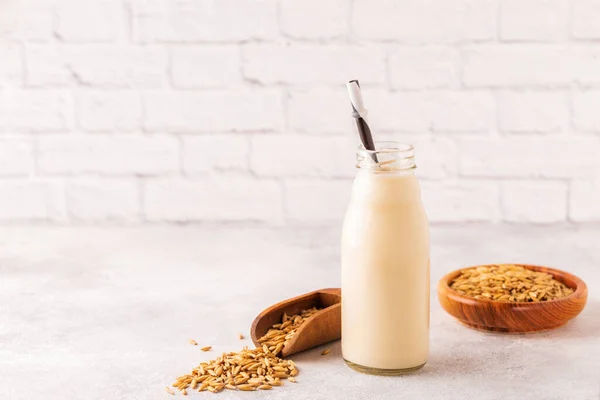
[248,370]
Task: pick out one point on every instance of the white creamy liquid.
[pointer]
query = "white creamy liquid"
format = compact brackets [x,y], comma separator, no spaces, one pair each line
[385,273]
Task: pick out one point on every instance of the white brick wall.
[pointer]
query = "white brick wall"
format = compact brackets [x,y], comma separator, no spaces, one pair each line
[301,64]
[425,21]
[585,111]
[299,19]
[31,200]
[84,21]
[108,155]
[219,198]
[585,19]
[584,200]
[213,110]
[221,152]
[424,67]
[198,67]
[97,200]
[181,21]
[533,111]
[16,156]
[295,155]
[534,20]
[109,111]
[150,111]
[534,201]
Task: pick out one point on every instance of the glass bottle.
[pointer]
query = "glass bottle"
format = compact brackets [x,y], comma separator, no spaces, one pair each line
[385,265]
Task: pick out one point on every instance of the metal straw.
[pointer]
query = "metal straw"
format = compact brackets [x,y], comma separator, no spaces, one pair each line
[360,115]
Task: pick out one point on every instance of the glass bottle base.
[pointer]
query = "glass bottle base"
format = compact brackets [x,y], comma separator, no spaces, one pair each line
[384,372]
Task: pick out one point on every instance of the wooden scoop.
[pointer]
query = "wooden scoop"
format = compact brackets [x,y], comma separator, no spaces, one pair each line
[322,327]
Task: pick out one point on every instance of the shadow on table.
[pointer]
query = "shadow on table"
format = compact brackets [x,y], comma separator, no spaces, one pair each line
[448,363]
[445,363]
[314,354]
[585,325]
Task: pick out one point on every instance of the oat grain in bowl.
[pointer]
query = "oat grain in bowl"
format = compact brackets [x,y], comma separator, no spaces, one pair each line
[509,282]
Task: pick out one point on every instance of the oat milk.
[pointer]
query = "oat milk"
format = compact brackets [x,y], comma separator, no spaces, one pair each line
[385,266]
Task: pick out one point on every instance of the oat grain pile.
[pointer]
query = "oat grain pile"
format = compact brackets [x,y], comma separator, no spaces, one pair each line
[280,334]
[249,369]
[508,282]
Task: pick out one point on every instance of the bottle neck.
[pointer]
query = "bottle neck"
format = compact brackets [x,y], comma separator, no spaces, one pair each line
[388,158]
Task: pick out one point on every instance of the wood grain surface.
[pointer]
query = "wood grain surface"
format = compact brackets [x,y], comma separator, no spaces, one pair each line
[322,327]
[514,317]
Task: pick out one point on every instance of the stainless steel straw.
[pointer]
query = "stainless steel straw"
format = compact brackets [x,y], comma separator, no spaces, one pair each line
[360,115]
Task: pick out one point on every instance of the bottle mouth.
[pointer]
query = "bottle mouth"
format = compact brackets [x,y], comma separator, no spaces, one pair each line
[388,156]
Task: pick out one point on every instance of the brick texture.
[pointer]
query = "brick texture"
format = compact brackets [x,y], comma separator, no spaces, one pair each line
[16,156]
[118,111]
[585,112]
[585,19]
[533,111]
[92,200]
[299,19]
[100,154]
[308,64]
[536,20]
[27,20]
[211,111]
[203,21]
[85,21]
[226,198]
[299,155]
[35,110]
[221,152]
[516,65]
[304,200]
[419,21]
[584,199]
[529,157]
[11,71]
[158,111]
[424,67]
[535,202]
[100,65]
[31,200]
[205,66]
[463,201]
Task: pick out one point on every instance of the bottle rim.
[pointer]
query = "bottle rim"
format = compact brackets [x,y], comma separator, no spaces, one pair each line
[401,147]
[388,156]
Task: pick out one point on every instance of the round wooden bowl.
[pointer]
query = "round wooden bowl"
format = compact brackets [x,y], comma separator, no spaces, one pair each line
[514,317]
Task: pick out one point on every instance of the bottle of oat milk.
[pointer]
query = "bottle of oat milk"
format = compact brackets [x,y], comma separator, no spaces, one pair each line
[385,260]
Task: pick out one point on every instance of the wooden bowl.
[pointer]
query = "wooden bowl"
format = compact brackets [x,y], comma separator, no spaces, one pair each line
[514,317]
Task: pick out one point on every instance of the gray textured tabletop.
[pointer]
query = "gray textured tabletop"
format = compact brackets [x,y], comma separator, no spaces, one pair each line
[106,313]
